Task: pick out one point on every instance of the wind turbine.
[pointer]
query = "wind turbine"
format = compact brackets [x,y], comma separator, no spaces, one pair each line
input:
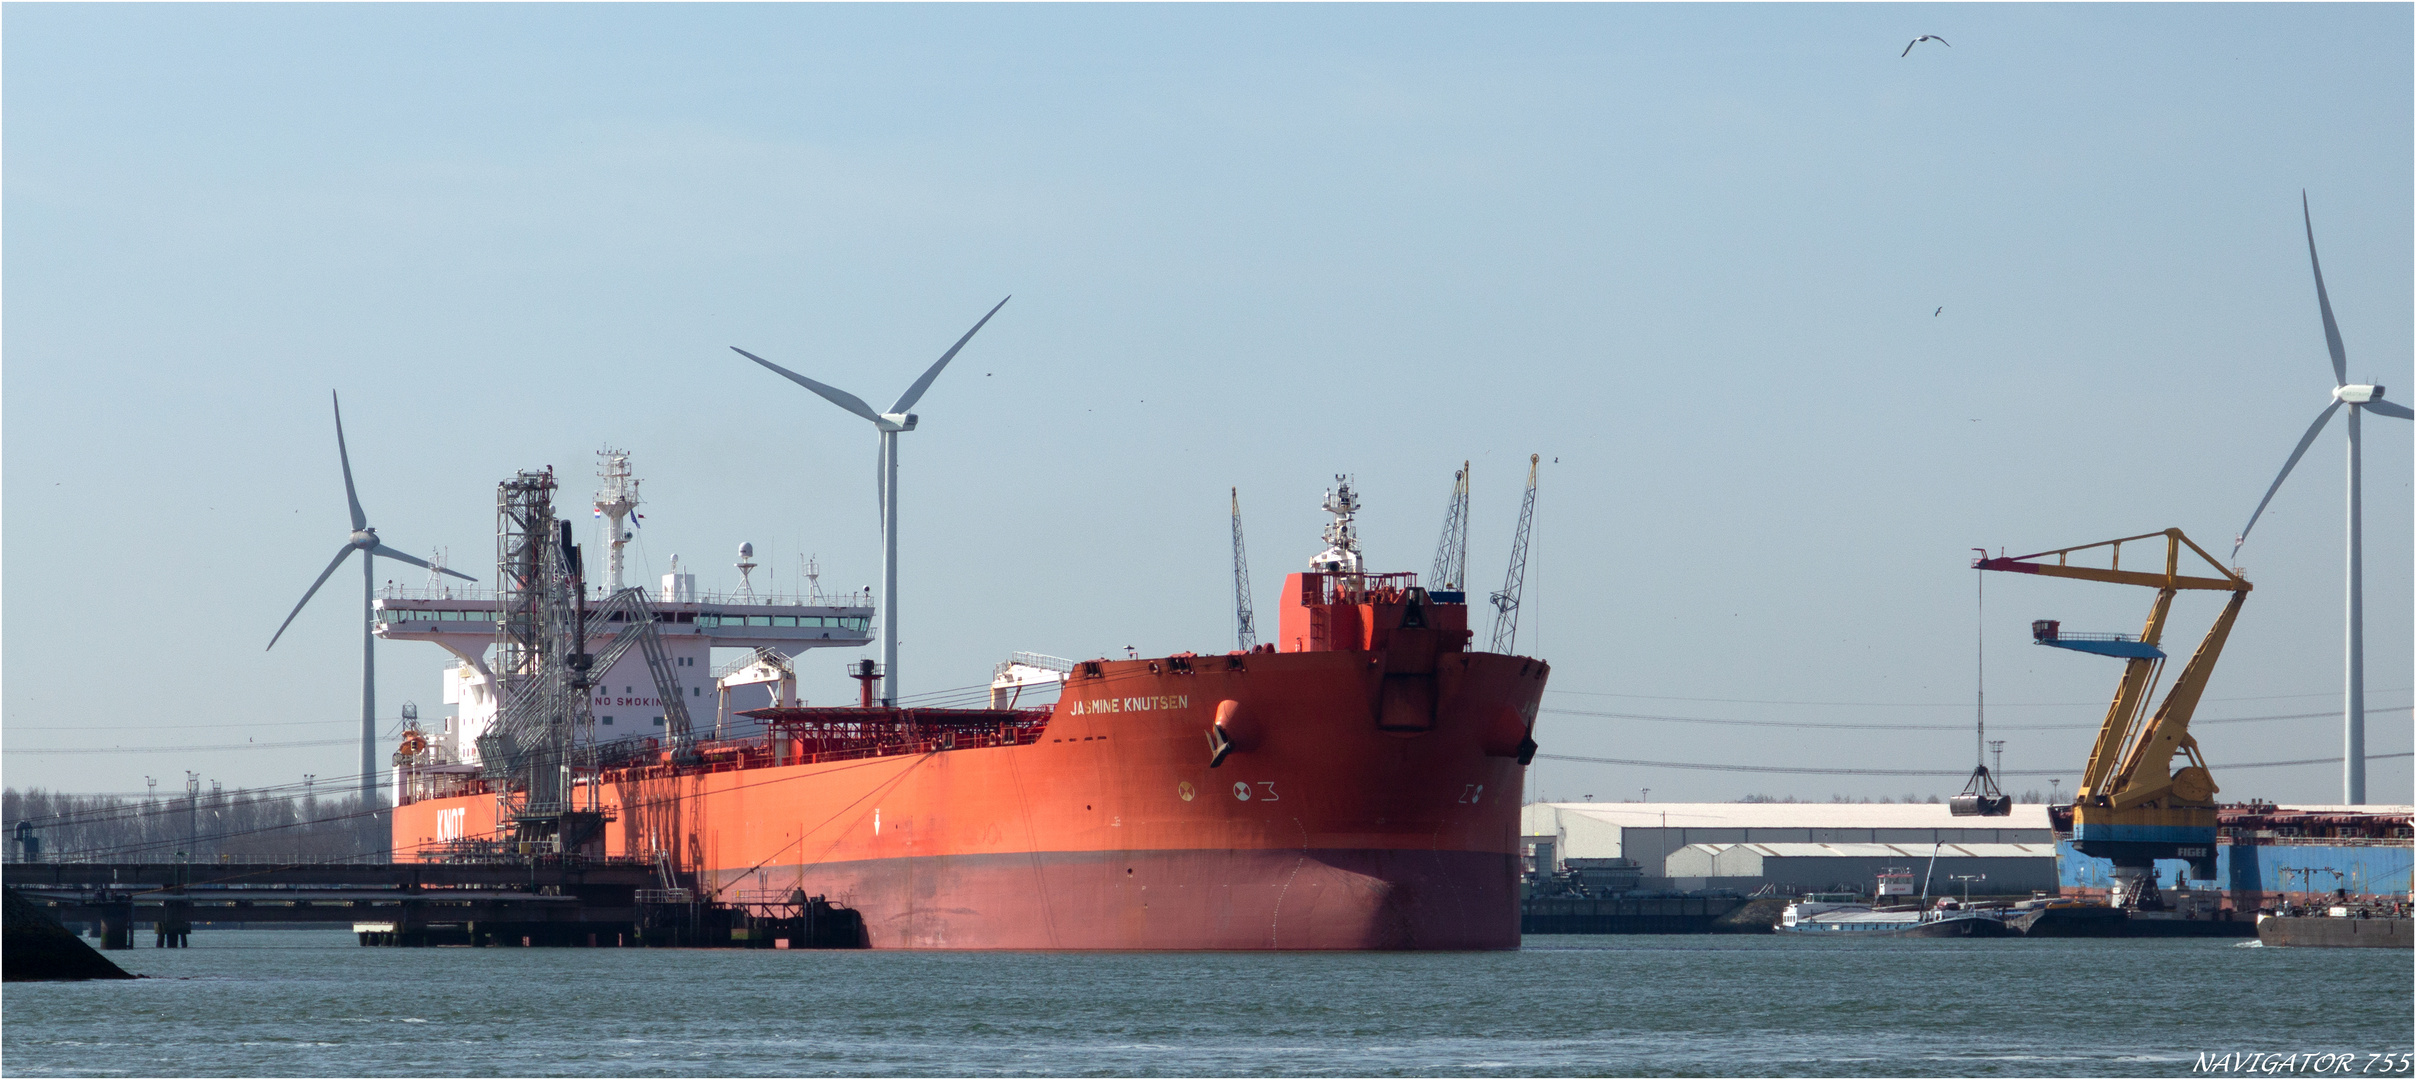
[2360,398]
[889,424]
[364,540]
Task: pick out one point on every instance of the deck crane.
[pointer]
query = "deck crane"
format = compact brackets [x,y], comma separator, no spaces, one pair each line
[1451,554]
[2131,806]
[1245,625]
[1505,602]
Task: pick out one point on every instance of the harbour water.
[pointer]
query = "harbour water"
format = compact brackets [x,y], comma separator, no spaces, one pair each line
[282,1003]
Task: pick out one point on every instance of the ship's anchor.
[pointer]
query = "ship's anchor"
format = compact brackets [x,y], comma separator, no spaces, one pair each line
[1228,733]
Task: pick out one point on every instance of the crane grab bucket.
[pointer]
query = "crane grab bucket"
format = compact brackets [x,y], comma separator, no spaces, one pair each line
[1980,798]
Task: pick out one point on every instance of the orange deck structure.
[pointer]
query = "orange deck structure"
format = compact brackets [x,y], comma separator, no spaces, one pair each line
[1354,785]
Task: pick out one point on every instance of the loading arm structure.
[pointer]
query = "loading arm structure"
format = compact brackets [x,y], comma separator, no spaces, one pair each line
[2131,806]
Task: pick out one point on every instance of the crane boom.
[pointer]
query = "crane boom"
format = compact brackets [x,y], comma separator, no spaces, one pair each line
[1245,624]
[2131,806]
[1505,602]
[1451,553]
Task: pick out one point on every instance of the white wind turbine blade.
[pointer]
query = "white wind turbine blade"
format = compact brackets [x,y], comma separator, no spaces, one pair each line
[314,591]
[2332,339]
[2388,408]
[915,393]
[360,520]
[2313,430]
[387,552]
[832,394]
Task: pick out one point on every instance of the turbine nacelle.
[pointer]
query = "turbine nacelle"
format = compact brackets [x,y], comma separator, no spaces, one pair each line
[2357,394]
[365,539]
[897,421]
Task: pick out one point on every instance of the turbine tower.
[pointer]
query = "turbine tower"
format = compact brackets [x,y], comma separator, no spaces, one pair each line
[889,424]
[364,540]
[2360,398]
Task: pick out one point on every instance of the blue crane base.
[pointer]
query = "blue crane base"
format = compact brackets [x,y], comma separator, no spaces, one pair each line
[2128,649]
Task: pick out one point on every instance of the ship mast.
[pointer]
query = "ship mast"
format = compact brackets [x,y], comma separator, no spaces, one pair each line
[615,500]
[1341,534]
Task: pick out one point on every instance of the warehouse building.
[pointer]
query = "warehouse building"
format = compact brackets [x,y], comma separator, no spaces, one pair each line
[1936,869]
[1795,847]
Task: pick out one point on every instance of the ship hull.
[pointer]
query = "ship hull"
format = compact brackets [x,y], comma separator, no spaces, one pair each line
[1302,899]
[1339,819]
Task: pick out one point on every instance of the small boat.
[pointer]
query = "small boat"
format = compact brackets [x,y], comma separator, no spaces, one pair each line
[1949,919]
[1845,913]
[2366,926]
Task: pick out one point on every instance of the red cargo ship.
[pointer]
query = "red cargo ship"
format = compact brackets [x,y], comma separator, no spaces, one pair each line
[1355,785]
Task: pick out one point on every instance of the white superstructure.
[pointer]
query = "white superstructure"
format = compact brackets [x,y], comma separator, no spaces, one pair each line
[692,623]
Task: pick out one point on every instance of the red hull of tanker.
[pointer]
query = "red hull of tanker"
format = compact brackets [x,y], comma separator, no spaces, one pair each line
[1364,804]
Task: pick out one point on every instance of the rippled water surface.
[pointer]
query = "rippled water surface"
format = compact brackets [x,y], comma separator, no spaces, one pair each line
[313,1003]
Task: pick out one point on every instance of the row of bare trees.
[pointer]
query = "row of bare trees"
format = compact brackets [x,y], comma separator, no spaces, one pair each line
[208,826]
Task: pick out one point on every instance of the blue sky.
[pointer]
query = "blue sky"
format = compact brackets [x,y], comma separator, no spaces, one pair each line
[1690,254]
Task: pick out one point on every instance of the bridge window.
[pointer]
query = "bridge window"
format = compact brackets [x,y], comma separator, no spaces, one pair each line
[784,620]
[608,720]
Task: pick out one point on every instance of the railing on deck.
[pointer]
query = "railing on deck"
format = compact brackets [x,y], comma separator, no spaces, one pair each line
[1336,588]
[812,742]
[861,598]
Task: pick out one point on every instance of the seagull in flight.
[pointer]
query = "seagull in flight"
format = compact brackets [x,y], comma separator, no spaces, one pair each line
[1940,311]
[1908,49]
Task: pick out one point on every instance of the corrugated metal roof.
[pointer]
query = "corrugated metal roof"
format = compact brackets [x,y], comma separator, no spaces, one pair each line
[1795,815]
[1884,851]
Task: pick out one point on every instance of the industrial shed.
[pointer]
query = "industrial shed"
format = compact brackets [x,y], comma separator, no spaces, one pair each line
[1998,869]
[1648,834]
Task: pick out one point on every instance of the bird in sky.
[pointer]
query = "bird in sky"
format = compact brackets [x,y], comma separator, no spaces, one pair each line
[1935,314]
[1908,49]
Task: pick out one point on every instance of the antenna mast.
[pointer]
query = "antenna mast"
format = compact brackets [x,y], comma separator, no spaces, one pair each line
[1245,624]
[1451,555]
[1341,534]
[614,501]
[1505,602]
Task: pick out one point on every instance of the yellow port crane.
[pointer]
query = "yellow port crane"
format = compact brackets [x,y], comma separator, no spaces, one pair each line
[2131,806]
